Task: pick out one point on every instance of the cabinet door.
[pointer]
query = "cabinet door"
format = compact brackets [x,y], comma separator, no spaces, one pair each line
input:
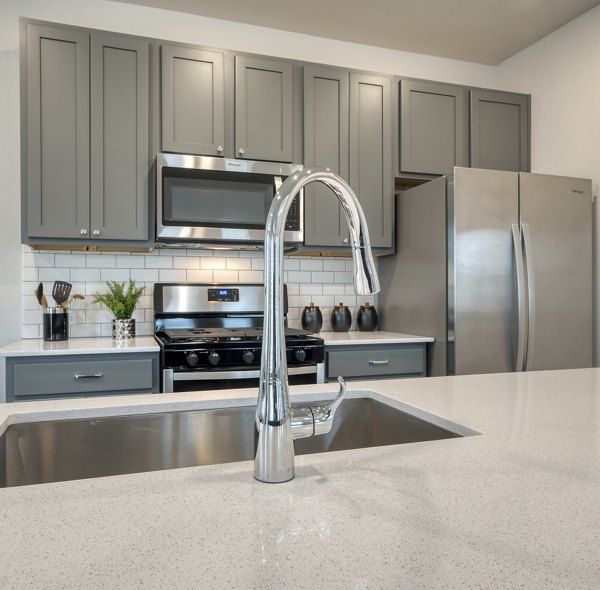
[193,101]
[57,189]
[119,138]
[371,174]
[433,127]
[499,130]
[326,108]
[263,109]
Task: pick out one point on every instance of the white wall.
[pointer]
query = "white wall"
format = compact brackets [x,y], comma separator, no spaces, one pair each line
[137,20]
[562,73]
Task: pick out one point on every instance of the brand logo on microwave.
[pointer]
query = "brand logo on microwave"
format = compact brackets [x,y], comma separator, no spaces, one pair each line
[234,164]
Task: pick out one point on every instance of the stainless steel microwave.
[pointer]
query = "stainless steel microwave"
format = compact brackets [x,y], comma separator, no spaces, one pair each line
[220,202]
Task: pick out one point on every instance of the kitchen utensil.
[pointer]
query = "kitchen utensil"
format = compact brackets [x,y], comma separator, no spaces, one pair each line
[341,318]
[61,291]
[66,304]
[366,319]
[312,318]
[39,293]
[56,324]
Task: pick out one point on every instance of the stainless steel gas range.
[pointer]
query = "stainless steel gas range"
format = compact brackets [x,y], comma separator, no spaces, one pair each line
[211,338]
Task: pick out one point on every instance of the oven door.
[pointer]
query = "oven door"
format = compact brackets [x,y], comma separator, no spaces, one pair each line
[179,381]
[202,199]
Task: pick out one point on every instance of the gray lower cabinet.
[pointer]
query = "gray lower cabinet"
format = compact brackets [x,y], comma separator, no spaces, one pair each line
[500,130]
[85,142]
[81,375]
[375,361]
[348,128]
[433,127]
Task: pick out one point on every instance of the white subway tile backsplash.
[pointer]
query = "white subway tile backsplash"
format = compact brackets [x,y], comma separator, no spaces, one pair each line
[115,274]
[322,280]
[199,276]
[104,261]
[84,275]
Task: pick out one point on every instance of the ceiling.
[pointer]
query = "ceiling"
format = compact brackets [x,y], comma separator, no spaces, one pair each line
[481,31]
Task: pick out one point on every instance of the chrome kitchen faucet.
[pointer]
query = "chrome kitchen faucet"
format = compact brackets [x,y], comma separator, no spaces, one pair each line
[277,423]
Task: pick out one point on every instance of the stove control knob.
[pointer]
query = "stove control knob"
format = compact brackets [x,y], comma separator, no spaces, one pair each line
[192,358]
[300,354]
[248,356]
[214,358]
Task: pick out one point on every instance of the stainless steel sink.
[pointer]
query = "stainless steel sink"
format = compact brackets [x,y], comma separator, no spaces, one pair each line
[63,450]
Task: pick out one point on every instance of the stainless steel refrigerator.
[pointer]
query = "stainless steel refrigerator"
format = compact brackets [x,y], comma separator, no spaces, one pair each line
[497,267]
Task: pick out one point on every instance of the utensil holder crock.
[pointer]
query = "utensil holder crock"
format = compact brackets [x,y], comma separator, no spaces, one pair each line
[55,324]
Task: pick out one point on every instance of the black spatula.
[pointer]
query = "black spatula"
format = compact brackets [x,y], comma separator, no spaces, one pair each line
[61,291]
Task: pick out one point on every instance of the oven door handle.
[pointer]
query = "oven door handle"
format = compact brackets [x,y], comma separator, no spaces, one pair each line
[219,375]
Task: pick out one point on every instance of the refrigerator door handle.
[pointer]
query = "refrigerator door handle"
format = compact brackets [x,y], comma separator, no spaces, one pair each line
[521,298]
[527,251]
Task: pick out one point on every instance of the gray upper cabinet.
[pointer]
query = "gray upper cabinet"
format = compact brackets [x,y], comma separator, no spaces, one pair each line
[56,190]
[119,138]
[499,130]
[326,130]
[371,175]
[193,101]
[263,109]
[433,127]
[86,150]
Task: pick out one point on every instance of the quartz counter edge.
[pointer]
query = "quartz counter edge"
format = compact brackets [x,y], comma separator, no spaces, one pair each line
[356,337]
[36,347]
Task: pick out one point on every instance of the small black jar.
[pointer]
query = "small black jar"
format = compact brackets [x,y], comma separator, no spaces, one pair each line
[366,319]
[341,318]
[312,318]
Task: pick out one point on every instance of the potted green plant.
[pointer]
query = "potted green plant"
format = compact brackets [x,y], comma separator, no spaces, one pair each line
[121,302]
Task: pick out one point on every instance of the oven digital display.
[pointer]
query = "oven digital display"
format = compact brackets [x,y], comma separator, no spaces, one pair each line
[223,295]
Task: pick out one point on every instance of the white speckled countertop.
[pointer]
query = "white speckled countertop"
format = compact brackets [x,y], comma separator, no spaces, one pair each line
[515,507]
[36,346]
[356,337]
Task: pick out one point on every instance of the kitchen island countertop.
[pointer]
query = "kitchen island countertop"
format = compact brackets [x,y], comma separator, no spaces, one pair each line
[515,506]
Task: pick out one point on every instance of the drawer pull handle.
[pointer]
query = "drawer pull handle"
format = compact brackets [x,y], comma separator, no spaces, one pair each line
[384,362]
[88,376]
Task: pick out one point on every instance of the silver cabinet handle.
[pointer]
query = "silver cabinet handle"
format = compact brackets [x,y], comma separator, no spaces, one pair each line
[96,232]
[383,362]
[345,240]
[88,376]
[83,231]
[220,149]
[241,151]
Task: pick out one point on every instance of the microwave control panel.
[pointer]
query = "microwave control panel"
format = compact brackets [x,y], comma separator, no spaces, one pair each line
[292,222]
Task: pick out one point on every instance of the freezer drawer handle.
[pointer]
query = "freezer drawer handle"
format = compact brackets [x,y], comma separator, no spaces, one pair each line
[383,362]
[88,376]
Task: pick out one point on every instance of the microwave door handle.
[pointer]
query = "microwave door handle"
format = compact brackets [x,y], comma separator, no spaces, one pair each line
[278,183]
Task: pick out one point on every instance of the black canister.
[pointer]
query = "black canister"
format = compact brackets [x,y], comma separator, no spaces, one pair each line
[366,319]
[341,318]
[56,324]
[312,318]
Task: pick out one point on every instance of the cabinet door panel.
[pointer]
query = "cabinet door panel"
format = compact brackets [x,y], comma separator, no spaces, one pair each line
[433,120]
[326,110]
[119,138]
[263,109]
[193,104]
[57,192]
[499,130]
[371,153]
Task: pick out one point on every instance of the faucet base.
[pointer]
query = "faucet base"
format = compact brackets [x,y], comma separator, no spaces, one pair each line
[274,461]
